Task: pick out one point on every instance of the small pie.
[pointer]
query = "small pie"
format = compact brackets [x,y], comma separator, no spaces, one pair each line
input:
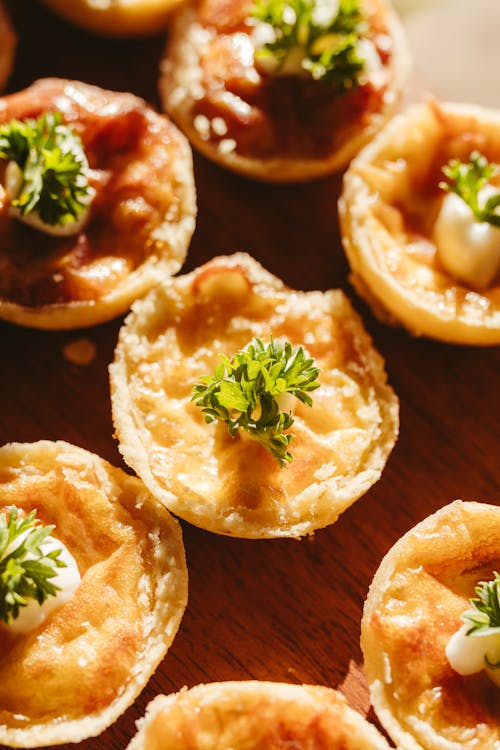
[119,18]
[140,222]
[414,606]
[283,127]
[253,715]
[7,45]
[234,485]
[73,675]
[388,210]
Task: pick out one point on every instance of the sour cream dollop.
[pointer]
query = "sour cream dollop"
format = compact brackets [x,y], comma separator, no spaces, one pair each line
[466,653]
[13,186]
[469,250]
[67,579]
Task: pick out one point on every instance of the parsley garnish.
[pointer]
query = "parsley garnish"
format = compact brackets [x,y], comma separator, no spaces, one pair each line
[50,156]
[244,392]
[26,570]
[328,46]
[485,611]
[466,181]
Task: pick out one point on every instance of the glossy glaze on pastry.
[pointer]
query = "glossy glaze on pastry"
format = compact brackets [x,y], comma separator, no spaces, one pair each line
[141,218]
[414,606]
[230,485]
[79,670]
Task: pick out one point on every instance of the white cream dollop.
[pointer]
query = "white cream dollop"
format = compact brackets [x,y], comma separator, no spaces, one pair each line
[466,653]
[286,401]
[13,186]
[468,249]
[67,579]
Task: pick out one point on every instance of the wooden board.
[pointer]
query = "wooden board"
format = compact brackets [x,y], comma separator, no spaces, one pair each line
[273,610]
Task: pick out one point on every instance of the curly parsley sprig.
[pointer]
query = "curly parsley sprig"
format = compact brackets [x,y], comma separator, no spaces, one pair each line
[327,44]
[25,570]
[50,157]
[245,391]
[467,179]
[484,614]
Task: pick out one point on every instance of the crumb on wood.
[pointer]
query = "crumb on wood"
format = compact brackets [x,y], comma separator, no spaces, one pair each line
[80,351]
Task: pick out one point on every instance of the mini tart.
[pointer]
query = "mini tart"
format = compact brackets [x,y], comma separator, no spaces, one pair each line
[413,607]
[123,18]
[140,223]
[77,672]
[279,128]
[388,207]
[8,41]
[235,486]
[254,715]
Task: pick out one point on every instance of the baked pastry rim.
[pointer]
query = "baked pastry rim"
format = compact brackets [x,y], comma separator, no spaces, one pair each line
[170,601]
[135,448]
[391,301]
[280,169]
[279,693]
[138,18]
[453,515]
[164,260]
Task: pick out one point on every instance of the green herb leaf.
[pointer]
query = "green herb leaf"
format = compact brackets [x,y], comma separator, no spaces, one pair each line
[328,47]
[244,392]
[50,156]
[467,179]
[485,608]
[25,570]
[484,614]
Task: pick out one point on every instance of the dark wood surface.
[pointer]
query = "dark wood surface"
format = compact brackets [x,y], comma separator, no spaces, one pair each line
[274,610]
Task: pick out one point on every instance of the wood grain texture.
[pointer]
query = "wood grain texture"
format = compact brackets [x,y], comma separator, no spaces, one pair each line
[274,610]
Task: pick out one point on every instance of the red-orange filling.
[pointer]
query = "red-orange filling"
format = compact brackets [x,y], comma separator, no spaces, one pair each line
[271,116]
[131,150]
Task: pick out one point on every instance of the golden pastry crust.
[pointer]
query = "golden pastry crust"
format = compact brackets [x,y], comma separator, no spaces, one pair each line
[421,588]
[140,223]
[278,128]
[387,211]
[77,672]
[254,715]
[122,18]
[8,41]
[235,486]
